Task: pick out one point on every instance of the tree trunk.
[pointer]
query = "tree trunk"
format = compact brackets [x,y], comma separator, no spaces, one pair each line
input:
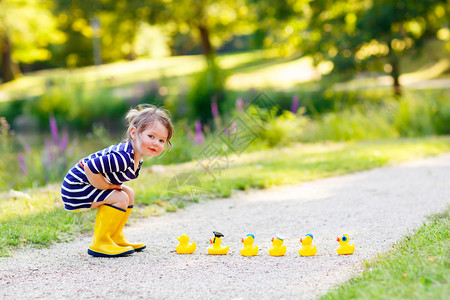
[395,73]
[131,55]
[9,70]
[96,41]
[207,48]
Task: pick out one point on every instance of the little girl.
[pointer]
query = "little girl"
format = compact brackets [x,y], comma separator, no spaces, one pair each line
[97,180]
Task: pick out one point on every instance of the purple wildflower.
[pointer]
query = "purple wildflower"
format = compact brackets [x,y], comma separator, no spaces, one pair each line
[64,142]
[214,109]
[22,164]
[199,137]
[49,150]
[48,145]
[54,130]
[294,106]
[234,127]
[27,147]
[240,104]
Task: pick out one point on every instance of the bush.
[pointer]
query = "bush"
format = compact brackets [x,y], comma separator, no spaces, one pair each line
[424,113]
[417,113]
[318,101]
[208,86]
[79,108]
[284,129]
[183,148]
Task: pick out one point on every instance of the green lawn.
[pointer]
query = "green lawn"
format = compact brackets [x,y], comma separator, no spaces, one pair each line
[170,70]
[41,219]
[260,69]
[417,268]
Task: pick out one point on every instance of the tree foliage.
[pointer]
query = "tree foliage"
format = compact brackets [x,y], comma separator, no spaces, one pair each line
[364,35]
[25,38]
[118,24]
[211,23]
[355,35]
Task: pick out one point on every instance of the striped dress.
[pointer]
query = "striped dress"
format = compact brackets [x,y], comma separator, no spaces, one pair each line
[115,163]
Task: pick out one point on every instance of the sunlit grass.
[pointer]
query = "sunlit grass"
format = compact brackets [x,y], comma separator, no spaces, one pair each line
[44,199]
[115,74]
[278,76]
[417,268]
[261,69]
[301,163]
[126,72]
[41,220]
[432,70]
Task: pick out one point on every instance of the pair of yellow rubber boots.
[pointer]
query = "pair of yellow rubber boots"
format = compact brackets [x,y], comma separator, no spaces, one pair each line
[109,240]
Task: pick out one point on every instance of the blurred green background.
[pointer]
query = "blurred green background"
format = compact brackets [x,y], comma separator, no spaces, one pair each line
[334,70]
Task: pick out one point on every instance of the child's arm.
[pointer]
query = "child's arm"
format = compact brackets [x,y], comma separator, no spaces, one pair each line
[98,181]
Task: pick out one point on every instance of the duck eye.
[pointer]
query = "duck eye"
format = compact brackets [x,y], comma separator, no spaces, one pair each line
[344,238]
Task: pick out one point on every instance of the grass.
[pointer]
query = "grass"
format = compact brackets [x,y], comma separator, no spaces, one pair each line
[417,268]
[171,70]
[261,69]
[41,220]
[292,165]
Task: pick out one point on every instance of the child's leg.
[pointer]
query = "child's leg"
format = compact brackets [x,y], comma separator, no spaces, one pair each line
[118,237]
[130,194]
[106,222]
[110,213]
[118,199]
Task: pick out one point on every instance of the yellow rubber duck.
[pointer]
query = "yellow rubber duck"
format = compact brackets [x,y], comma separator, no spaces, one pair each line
[277,249]
[249,249]
[185,247]
[216,248]
[307,249]
[344,248]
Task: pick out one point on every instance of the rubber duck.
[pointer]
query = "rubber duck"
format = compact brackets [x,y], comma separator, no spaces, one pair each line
[185,247]
[249,249]
[344,248]
[277,249]
[216,248]
[307,249]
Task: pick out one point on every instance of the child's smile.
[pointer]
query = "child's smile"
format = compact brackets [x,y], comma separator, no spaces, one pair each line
[151,141]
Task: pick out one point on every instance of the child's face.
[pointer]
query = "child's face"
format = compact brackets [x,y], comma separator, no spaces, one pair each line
[151,141]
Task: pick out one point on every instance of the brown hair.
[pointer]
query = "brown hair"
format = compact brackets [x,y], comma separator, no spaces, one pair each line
[147,114]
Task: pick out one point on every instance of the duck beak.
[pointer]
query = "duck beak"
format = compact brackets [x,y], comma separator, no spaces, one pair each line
[272,239]
[338,239]
[210,241]
[242,240]
[301,240]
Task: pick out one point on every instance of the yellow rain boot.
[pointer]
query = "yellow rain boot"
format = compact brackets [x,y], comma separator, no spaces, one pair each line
[119,238]
[106,222]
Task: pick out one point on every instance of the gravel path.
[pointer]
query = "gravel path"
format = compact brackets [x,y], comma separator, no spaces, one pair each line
[376,208]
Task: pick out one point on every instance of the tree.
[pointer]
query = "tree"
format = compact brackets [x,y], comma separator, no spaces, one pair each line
[401,26]
[27,27]
[121,20]
[211,22]
[270,21]
[118,22]
[362,35]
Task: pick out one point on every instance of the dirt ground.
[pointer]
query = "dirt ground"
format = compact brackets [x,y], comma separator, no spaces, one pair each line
[375,208]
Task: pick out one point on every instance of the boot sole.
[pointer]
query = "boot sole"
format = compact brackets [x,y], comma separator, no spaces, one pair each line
[140,249]
[99,254]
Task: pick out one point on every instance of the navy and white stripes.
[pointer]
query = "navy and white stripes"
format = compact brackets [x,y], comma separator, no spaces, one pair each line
[115,163]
